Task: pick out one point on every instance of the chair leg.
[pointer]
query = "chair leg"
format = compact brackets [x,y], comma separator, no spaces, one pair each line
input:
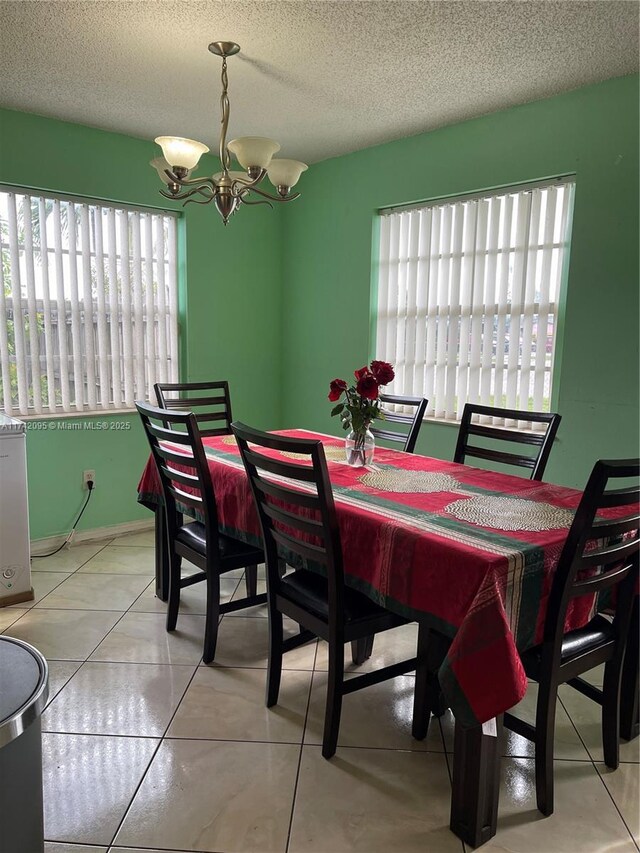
[439,704]
[212,618]
[435,648]
[274,667]
[334,698]
[361,649]
[545,729]
[422,690]
[173,604]
[161,555]
[611,712]
[629,716]
[251,580]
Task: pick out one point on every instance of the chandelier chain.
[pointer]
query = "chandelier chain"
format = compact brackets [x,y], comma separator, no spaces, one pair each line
[225,157]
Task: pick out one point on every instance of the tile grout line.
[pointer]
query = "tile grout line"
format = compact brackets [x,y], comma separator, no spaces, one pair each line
[33,604]
[302,745]
[616,806]
[449,770]
[161,739]
[6,628]
[122,615]
[595,767]
[75,609]
[444,749]
[118,849]
[577,731]
[99,551]
[119,662]
[160,742]
[141,594]
[94,649]
[86,610]
[622,817]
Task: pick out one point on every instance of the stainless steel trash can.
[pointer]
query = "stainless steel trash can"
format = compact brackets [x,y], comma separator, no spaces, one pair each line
[24,687]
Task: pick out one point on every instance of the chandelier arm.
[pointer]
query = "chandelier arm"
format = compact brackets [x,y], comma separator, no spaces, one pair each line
[208,194]
[187,194]
[189,182]
[247,183]
[244,200]
[271,197]
[205,200]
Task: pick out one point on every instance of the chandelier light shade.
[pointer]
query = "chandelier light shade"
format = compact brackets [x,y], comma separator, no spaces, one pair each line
[226,189]
[285,173]
[184,153]
[253,150]
[161,166]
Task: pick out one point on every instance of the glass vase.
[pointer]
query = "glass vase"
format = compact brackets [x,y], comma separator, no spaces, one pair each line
[359,448]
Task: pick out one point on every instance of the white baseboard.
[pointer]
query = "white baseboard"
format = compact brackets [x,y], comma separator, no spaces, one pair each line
[44,545]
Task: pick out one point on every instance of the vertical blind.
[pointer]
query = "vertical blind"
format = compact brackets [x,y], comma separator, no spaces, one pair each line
[468,295]
[88,304]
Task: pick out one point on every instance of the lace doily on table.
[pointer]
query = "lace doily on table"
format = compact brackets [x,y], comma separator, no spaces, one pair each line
[331,452]
[512,514]
[397,480]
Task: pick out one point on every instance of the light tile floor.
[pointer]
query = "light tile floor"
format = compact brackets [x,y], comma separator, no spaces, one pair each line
[146,749]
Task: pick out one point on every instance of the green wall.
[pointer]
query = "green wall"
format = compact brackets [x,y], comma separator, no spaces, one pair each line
[279,301]
[230,318]
[592,132]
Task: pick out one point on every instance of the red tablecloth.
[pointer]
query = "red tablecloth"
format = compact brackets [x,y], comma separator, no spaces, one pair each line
[470,551]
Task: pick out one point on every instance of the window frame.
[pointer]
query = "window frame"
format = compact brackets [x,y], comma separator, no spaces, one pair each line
[116,205]
[562,279]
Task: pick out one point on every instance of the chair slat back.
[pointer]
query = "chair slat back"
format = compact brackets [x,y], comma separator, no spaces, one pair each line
[599,553]
[542,440]
[212,410]
[295,506]
[412,423]
[182,467]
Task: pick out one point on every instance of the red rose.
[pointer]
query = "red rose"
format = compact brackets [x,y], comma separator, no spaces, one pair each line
[336,389]
[360,374]
[383,372]
[367,387]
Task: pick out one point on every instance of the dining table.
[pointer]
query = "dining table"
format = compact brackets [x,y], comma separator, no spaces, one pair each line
[467,551]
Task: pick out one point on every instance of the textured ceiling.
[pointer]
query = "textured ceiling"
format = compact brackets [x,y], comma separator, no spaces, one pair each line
[323,78]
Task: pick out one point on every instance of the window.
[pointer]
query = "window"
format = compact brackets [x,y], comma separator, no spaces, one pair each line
[88,316]
[468,297]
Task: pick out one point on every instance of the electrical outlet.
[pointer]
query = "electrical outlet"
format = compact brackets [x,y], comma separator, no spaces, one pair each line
[86,476]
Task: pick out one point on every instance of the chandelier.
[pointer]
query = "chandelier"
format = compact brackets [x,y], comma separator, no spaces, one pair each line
[227,189]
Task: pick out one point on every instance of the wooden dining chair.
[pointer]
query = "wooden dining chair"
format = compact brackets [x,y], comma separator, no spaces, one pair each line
[600,554]
[298,518]
[432,644]
[210,403]
[542,440]
[176,446]
[412,423]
